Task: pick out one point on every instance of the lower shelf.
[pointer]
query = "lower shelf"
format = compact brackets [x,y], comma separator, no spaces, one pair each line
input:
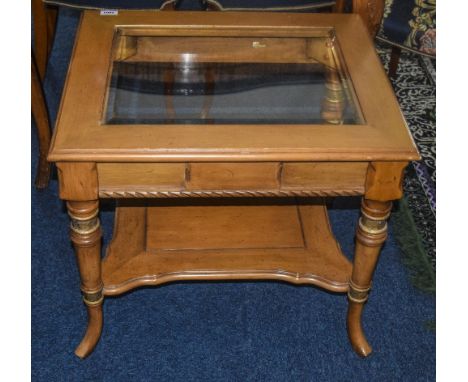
[213,240]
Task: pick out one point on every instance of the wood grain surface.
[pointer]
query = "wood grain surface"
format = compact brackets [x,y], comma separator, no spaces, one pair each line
[181,242]
[81,136]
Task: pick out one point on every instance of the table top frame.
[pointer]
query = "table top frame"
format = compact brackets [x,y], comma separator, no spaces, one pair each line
[80,135]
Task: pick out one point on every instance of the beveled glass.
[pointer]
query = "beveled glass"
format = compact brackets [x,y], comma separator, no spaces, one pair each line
[229,80]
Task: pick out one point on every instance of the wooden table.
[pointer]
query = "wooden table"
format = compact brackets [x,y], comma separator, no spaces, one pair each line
[220,134]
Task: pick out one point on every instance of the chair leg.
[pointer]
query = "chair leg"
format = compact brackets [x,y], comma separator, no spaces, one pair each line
[371,12]
[39,111]
[44,20]
[339,6]
[208,5]
[394,59]
[169,5]
[51,18]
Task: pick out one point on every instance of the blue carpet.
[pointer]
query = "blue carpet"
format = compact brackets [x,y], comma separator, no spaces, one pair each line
[263,331]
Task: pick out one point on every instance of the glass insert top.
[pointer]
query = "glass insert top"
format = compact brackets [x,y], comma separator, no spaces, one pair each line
[229,80]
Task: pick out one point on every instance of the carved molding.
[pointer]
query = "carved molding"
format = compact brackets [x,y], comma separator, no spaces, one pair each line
[372,227]
[357,294]
[116,194]
[95,298]
[254,274]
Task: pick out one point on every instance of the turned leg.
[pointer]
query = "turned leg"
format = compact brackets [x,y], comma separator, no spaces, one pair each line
[371,234]
[85,233]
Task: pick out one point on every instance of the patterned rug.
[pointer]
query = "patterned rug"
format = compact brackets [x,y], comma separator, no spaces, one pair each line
[415,89]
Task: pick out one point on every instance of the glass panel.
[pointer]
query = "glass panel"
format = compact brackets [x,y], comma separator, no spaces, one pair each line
[229,80]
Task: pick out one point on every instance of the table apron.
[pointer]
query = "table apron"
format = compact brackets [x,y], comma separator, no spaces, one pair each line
[262,179]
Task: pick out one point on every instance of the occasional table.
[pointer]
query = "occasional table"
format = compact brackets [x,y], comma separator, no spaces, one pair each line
[220,135]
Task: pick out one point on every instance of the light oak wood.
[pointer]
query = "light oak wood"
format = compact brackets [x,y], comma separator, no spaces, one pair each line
[282,241]
[324,175]
[217,220]
[152,194]
[232,176]
[199,227]
[168,176]
[371,234]
[385,180]
[295,178]
[85,233]
[78,181]
[383,137]
[228,49]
